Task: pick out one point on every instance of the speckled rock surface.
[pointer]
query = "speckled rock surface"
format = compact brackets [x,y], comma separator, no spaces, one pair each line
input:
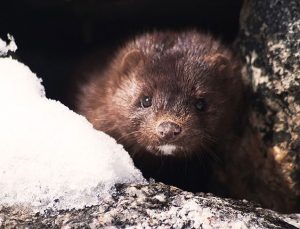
[270,40]
[153,206]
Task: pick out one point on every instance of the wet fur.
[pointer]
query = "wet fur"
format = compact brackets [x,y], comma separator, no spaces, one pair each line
[175,69]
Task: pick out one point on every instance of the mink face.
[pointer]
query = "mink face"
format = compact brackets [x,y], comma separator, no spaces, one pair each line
[166,95]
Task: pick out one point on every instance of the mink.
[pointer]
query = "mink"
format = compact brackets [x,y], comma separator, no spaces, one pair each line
[173,100]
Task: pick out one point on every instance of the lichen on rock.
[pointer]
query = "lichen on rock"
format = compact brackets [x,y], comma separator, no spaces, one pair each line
[269,40]
[153,206]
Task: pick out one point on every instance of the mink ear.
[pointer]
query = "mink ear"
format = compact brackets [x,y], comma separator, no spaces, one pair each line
[131,60]
[220,63]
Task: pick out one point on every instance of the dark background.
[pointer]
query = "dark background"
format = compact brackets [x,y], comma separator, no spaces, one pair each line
[53,35]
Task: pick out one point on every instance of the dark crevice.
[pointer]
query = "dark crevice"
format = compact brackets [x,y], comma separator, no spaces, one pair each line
[52,35]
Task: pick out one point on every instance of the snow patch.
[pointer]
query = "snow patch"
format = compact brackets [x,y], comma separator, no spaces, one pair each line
[51,156]
[5,48]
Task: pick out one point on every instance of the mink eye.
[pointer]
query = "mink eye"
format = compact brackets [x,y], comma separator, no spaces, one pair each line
[201,105]
[146,101]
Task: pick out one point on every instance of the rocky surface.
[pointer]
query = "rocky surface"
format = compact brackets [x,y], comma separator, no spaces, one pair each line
[152,206]
[267,168]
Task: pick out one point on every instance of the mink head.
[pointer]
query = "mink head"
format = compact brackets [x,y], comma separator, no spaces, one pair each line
[167,94]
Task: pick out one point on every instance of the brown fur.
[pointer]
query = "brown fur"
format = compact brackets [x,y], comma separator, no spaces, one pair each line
[175,69]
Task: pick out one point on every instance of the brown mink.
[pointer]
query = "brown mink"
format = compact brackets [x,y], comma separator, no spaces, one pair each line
[173,99]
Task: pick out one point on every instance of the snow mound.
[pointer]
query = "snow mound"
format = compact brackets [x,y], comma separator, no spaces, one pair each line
[5,48]
[49,155]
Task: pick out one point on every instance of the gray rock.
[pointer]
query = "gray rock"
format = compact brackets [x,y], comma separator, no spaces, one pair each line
[152,206]
[267,167]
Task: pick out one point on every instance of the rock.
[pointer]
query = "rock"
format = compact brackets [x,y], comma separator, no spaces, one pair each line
[151,206]
[267,168]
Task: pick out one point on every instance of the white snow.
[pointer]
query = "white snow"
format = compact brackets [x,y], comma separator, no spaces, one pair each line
[4,48]
[49,155]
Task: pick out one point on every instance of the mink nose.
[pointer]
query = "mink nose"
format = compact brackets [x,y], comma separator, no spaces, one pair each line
[168,130]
